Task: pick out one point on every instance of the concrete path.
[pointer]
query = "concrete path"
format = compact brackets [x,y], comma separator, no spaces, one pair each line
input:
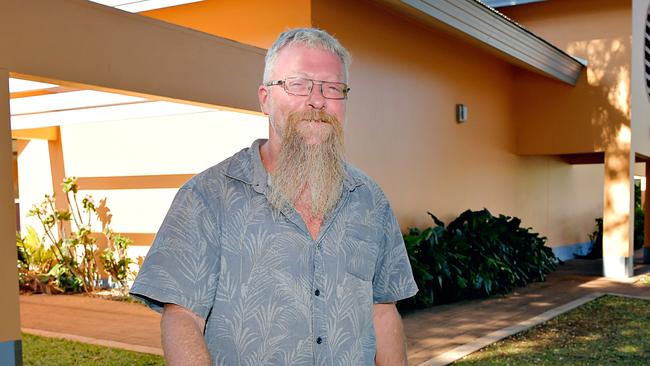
[92,320]
[430,332]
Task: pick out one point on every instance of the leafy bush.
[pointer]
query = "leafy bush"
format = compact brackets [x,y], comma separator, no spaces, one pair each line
[35,261]
[639,217]
[114,259]
[72,247]
[476,255]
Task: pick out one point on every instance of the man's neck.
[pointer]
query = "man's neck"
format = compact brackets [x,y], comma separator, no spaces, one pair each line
[303,207]
[269,152]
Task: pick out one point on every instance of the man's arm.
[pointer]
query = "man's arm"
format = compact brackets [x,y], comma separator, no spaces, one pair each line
[391,347]
[182,337]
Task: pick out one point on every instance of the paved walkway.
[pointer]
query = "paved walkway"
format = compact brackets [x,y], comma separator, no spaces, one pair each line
[430,333]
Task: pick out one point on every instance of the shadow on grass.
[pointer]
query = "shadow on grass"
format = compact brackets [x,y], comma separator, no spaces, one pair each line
[610,330]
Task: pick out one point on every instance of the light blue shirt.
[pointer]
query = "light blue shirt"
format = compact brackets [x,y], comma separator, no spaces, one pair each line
[270,294]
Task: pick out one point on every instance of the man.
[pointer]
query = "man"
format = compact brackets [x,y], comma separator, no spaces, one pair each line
[283,254]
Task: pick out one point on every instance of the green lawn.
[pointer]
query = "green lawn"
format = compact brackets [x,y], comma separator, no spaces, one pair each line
[610,330]
[58,352]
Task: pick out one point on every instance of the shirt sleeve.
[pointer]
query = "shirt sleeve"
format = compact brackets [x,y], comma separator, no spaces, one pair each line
[393,278]
[182,266]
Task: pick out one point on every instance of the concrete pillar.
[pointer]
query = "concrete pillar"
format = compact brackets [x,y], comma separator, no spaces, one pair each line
[10,338]
[618,210]
[646,221]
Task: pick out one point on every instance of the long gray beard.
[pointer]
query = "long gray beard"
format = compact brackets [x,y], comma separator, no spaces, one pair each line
[316,168]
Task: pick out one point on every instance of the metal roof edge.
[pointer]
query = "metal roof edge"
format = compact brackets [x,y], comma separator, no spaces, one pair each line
[506,3]
[494,29]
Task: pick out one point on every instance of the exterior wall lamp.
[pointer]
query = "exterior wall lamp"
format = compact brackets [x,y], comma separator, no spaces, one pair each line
[461,113]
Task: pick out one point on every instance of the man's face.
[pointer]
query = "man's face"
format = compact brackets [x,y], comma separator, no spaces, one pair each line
[312,63]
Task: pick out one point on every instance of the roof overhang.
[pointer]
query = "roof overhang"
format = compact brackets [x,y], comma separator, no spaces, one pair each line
[504,3]
[84,45]
[496,31]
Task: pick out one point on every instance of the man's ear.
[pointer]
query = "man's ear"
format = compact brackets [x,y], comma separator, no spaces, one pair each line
[263,95]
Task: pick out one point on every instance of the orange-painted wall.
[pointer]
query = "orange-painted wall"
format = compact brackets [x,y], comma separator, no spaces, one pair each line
[401,126]
[554,118]
[406,79]
[254,22]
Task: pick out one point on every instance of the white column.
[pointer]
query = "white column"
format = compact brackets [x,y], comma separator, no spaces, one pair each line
[618,209]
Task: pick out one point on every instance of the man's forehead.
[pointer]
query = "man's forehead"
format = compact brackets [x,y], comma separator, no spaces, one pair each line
[304,60]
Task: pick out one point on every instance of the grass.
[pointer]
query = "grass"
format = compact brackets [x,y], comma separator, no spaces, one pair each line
[610,330]
[58,352]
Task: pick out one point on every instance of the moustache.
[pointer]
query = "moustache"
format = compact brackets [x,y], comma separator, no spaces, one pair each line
[316,116]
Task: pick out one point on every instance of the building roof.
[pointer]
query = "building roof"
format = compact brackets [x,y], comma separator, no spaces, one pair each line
[504,3]
[493,29]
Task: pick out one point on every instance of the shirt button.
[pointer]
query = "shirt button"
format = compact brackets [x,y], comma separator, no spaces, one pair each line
[317,292]
[319,340]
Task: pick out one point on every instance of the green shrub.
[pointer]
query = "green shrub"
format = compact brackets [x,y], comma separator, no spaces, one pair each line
[476,255]
[35,261]
[115,260]
[73,255]
[639,216]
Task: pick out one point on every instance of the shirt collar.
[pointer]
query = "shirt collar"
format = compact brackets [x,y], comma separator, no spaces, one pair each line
[247,167]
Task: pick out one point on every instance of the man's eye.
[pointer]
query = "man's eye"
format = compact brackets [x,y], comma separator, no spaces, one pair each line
[335,88]
[297,83]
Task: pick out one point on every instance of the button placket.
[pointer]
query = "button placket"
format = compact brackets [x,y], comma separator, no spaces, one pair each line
[320,308]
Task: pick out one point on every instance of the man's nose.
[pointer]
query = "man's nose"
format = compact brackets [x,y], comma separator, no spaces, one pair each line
[316,99]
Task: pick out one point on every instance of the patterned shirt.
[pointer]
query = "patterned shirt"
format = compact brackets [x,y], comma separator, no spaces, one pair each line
[270,294]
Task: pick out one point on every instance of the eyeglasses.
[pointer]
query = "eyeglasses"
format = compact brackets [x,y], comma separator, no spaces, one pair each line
[303,87]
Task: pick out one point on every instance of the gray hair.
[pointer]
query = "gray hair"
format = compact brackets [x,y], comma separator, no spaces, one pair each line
[312,37]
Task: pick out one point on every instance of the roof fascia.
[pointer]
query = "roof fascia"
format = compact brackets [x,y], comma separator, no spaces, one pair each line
[504,3]
[492,28]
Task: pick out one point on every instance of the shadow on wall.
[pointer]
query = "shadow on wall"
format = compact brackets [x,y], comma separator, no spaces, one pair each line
[608,77]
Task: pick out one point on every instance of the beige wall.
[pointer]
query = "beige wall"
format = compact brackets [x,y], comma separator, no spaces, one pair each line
[559,200]
[113,159]
[34,179]
[401,128]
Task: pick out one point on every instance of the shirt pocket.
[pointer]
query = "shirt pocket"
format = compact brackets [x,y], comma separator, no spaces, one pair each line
[361,253]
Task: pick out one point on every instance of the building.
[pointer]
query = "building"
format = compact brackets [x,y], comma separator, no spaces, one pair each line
[554,110]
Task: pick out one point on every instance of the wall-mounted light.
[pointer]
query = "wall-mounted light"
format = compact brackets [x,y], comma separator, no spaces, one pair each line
[461,113]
